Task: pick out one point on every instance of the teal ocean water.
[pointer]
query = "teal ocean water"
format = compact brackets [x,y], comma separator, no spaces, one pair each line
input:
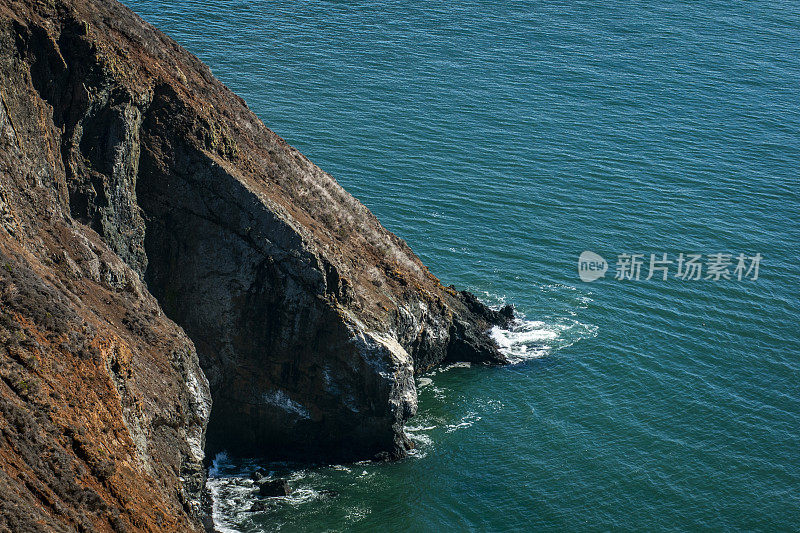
[501,140]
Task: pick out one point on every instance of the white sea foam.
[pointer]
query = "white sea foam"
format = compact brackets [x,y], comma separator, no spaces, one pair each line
[233,491]
[529,339]
[420,428]
[217,485]
[424,382]
[465,422]
[418,433]
[422,442]
[218,464]
[459,364]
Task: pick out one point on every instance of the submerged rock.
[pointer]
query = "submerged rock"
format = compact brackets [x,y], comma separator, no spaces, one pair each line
[272,488]
[258,474]
[258,507]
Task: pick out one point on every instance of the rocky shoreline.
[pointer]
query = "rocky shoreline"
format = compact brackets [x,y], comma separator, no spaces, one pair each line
[177,280]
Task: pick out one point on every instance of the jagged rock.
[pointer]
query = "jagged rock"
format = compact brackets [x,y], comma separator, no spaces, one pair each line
[258,474]
[507,312]
[273,488]
[257,507]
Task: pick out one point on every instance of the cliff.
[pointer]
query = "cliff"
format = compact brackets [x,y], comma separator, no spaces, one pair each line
[162,251]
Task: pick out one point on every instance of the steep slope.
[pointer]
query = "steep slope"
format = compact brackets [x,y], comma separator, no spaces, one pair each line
[131,182]
[103,405]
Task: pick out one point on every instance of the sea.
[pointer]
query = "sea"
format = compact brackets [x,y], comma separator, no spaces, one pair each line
[626,174]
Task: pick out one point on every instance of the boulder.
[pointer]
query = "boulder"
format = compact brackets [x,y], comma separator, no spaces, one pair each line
[273,488]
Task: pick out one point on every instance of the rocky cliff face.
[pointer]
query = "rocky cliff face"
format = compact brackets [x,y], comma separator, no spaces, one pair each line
[103,405]
[141,199]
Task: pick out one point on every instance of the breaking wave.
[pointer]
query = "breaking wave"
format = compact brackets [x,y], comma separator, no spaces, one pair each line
[530,339]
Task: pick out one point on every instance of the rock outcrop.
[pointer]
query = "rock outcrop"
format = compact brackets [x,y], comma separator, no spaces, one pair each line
[151,225]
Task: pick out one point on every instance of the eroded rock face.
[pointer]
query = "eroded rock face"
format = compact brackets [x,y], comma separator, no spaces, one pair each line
[103,405]
[133,182]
